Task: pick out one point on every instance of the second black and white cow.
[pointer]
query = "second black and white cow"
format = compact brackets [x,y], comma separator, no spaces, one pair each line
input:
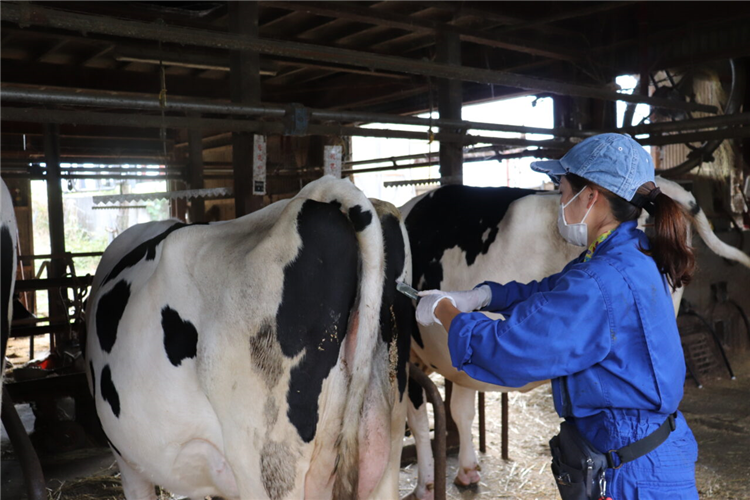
[256,358]
[8,261]
[461,236]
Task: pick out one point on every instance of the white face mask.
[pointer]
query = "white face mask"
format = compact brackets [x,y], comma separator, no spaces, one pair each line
[575,234]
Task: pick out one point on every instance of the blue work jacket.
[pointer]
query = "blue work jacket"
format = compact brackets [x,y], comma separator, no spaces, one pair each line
[605,332]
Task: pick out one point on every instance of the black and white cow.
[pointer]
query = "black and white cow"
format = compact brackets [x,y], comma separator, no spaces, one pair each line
[461,236]
[256,358]
[8,262]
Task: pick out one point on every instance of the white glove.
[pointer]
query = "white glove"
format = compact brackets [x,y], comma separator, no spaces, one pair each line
[427,304]
[468,300]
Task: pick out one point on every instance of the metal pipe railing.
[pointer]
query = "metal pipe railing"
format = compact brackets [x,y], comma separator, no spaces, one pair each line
[35,115]
[26,95]
[204,106]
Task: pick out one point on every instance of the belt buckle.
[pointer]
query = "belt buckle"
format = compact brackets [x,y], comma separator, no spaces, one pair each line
[611,454]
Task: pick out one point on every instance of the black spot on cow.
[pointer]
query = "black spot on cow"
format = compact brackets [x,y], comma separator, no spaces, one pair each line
[277,469]
[455,215]
[360,219]
[417,336]
[266,355]
[335,203]
[93,379]
[320,286]
[109,392]
[180,336]
[146,249]
[397,319]
[270,412]
[415,394]
[695,209]
[109,312]
[7,269]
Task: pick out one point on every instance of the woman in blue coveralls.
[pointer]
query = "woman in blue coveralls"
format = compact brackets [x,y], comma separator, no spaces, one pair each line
[603,329]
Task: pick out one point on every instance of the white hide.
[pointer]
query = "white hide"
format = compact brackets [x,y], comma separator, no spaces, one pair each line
[198,429]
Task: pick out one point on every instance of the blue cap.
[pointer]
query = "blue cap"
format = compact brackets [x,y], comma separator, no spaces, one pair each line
[613,161]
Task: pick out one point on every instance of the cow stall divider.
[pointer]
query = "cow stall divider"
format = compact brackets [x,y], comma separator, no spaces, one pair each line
[439,443]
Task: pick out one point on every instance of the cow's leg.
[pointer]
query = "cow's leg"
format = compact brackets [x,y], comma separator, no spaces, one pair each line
[462,410]
[135,486]
[419,424]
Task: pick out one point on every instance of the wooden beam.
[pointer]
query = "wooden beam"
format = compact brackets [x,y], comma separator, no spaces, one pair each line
[449,106]
[49,50]
[56,18]
[55,210]
[96,55]
[567,13]
[84,77]
[460,9]
[245,89]
[7,37]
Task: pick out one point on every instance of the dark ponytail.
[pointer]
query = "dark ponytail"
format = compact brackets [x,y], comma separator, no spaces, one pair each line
[669,244]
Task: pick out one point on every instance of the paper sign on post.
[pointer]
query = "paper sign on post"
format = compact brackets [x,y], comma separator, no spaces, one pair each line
[259,164]
[332,160]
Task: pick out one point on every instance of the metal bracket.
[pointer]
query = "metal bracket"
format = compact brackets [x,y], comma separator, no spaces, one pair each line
[296,119]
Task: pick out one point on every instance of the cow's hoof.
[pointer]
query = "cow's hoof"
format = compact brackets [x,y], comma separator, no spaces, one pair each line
[467,477]
[428,494]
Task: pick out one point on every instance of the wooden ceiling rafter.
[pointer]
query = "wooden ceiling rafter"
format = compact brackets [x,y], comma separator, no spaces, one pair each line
[50,50]
[96,55]
[410,23]
[376,44]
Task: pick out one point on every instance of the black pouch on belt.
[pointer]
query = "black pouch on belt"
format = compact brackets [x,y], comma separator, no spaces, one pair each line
[576,464]
[579,467]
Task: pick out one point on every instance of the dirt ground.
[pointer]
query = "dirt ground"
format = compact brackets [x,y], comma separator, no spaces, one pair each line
[719,415]
[18,349]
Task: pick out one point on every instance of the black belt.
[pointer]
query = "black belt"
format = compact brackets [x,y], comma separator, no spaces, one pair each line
[615,458]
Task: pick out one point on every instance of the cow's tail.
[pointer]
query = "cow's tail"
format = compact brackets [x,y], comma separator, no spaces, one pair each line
[364,328]
[700,222]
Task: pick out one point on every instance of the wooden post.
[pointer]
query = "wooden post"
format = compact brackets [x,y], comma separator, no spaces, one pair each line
[56,216]
[244,80]
[450,100]
[195,175]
